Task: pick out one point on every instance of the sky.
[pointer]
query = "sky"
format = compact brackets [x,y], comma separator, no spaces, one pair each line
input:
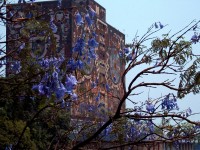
[131,16]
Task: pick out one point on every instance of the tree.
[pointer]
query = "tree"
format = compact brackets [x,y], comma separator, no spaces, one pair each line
[37,93]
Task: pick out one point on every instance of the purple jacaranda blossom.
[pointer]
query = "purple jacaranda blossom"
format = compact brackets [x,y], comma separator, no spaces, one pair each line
[78,18]
[88,20]
[89,59]
[108,130]
[126,50]
[94,34]
[188,112]
[156,25]
[63,104]
[91,53]
[97,81]
[53,84]
[59,61]
[54,62]
[45,77]
[93,84]
[79,46]
[55,75]
[98,96]
[49,84]
[165,102]
[91,12]
[60,92]
[74,97]
[121,53]
[115,79]
[53,27]
[160,25]
[73,79]
[79,64]
[42,89]
[130,56]
[70,83]
[10,14]
[107,87]
[132,129]
[92,42]
[169,103]
[150,107]
[35,87]
[44,63]
[21,47]
[71,64]
[150,126]
[91,108]
[195,38]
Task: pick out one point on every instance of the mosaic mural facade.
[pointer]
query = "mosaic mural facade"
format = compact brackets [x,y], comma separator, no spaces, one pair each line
[105,71]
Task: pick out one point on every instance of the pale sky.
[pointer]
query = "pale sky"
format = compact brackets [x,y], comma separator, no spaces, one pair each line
[130,16]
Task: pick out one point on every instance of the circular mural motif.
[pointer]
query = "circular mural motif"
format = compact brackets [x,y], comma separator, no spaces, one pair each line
[38,46]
